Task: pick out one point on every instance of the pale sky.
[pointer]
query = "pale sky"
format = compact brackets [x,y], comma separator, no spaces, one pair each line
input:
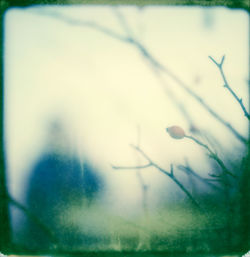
[104,89]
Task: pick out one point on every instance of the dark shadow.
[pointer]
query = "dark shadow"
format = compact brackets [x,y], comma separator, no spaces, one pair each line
[59,184]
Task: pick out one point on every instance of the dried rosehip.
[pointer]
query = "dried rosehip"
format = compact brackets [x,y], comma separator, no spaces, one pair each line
[176,132]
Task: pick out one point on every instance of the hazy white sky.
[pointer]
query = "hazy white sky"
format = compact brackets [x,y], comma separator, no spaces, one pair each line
[104,89]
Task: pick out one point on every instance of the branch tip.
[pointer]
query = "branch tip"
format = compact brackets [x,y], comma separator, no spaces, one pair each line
[233,93]
[213,60]
[171,170]
[134,146]
[222,60]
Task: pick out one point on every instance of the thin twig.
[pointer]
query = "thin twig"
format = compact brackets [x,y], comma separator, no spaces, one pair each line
[227,86]
[212,155]
[131,167]
[171,169]
[169,174]
[123,22]
[144,186]
[81,23]
[204,105]
[190,171]
[186,88]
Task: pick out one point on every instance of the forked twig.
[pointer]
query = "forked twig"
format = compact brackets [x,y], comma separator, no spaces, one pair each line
[227,86]
[170,173]
[189,171]
[212,155]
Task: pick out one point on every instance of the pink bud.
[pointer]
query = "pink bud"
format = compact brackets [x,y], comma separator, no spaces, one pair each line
[176,132]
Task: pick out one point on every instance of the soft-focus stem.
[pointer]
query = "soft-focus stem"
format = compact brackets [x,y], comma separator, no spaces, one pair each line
[213,156]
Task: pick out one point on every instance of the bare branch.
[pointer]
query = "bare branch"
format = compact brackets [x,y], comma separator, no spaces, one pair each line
[167,173]
[186,88]
[205,105]
[226,85]
[154,66]
[170,175]
[150,161]
[131,167]
[213,155]
[180,185]
[171,170]
[190,171]
[143,184]
[81,23]
[123,22]
[145,53]
[219,65]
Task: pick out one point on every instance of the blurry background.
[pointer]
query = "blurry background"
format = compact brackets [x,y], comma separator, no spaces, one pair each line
[79,89]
